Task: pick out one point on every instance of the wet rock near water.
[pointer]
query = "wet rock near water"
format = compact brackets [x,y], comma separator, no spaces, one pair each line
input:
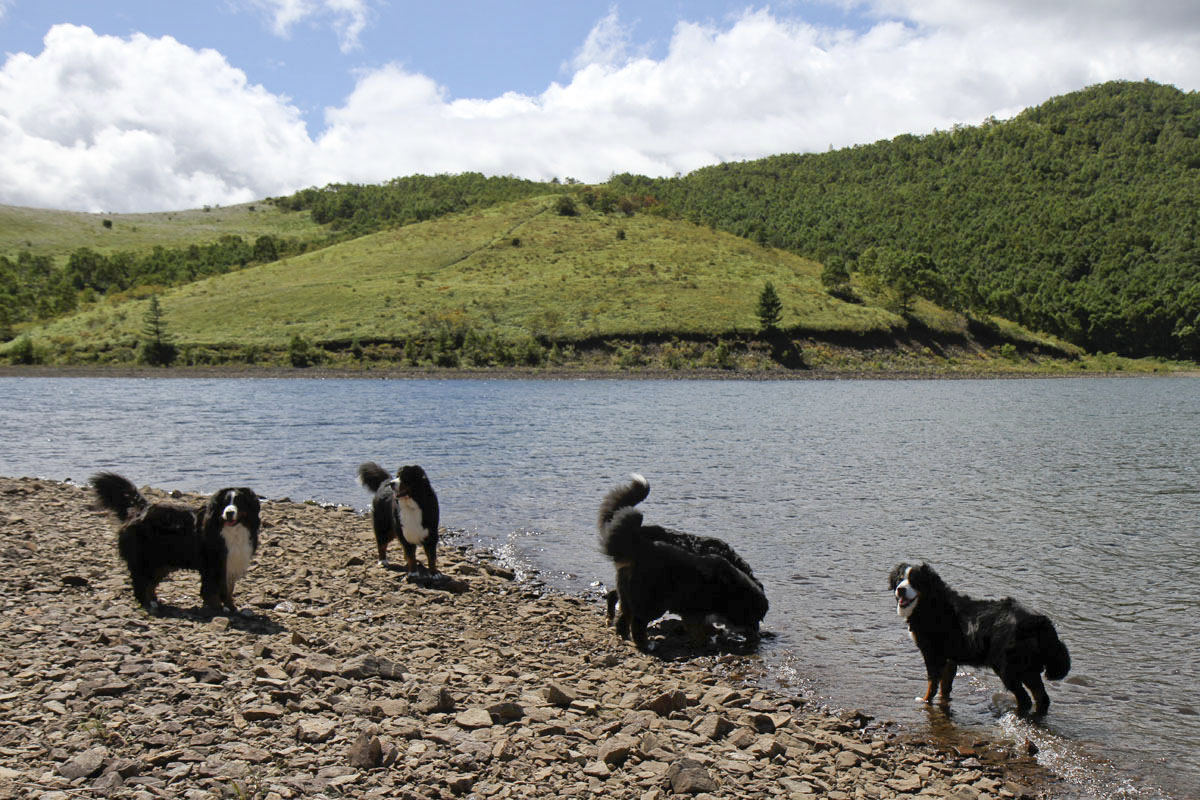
[344,679]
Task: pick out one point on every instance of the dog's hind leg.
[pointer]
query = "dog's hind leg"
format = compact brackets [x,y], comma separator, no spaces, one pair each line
[211,591]
[430,547]
[638,631]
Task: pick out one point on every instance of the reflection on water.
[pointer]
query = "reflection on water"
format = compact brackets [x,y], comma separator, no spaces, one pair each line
[1078,497]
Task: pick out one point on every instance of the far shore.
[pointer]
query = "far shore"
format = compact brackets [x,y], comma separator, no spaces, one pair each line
[534,373]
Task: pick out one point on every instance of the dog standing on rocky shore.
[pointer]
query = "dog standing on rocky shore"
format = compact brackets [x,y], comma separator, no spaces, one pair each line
[660,570]
[404,507]
[218,540]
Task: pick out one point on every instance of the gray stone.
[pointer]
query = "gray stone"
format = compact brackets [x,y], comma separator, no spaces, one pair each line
[85,765]
[315,729]
[558,695]
[366,752]
[690,777]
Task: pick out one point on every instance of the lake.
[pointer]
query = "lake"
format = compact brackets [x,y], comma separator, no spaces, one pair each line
[1079,497]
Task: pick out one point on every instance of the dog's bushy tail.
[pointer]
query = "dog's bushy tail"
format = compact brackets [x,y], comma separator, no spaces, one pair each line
[1054,652]
[623,496]
[372,476]
[117,494]
[621,536]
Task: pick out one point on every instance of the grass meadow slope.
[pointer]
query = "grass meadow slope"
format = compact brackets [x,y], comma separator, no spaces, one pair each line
[513,285]
[59,233]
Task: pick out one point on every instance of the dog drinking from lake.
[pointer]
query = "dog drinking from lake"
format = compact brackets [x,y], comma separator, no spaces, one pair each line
[660,570]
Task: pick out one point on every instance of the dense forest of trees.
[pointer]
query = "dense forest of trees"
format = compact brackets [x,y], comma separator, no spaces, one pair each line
[357,208]
[32,288]
[1079,217]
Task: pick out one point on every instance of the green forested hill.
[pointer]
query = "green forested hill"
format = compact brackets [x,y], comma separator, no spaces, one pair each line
[1079,217]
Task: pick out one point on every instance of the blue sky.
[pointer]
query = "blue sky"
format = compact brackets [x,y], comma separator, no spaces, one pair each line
[140,105]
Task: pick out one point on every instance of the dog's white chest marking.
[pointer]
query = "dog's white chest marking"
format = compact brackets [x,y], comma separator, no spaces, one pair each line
[238,552]
[411,523]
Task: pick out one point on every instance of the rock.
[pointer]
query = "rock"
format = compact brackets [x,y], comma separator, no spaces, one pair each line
[435,701]
[85,765]
[713,726]
[666,703]
[390,708]
[315,729]
[473,718]
[506,711]
[315,665]
[616,750]
[371,666]
[906,784]
[690,777]
[557,695]
[366,752]
[257,713]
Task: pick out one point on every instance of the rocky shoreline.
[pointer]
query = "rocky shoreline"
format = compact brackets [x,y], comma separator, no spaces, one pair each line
[345,680]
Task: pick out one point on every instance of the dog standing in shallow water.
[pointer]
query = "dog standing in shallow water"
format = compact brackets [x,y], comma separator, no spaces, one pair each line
[660,570]
[218,540]
[951,629]
[404,507]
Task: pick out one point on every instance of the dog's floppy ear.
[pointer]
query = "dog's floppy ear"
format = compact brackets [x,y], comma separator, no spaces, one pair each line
[897,575]
[252,502]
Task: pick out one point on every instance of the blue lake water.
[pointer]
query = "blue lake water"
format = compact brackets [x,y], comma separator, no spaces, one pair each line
[1081,498]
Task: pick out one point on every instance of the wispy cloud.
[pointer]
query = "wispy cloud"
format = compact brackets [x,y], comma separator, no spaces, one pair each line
[347,17]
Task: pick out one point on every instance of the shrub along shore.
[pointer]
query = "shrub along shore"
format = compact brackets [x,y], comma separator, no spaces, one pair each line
[344,679]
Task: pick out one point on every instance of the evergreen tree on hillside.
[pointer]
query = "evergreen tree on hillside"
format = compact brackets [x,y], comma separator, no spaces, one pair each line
[157,348]
[770,308]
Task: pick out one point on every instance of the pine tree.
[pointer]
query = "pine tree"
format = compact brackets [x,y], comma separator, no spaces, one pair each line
[157,348]
[770,308]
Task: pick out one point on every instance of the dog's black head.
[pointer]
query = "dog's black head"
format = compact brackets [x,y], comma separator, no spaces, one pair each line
[911,583]
[235,506]
[411,481]
[748,603]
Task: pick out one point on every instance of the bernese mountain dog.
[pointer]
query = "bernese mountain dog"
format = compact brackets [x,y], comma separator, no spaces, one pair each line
[659,570]
[951,629]
[218,540]
[404,507]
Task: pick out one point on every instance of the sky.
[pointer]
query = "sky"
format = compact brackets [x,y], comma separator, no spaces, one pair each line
[155,105]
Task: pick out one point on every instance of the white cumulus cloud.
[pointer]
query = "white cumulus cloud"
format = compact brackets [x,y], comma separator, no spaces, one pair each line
[138,123]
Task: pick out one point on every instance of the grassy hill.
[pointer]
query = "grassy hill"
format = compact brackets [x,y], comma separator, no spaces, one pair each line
[522,284]
[59,233]
[1078,218]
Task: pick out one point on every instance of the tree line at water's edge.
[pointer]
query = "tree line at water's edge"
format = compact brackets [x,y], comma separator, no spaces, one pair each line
[1078,218]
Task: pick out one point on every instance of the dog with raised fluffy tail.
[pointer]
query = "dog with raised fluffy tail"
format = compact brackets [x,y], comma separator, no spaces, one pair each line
[951,628]
[218,540]
[661,571]
[404,507]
